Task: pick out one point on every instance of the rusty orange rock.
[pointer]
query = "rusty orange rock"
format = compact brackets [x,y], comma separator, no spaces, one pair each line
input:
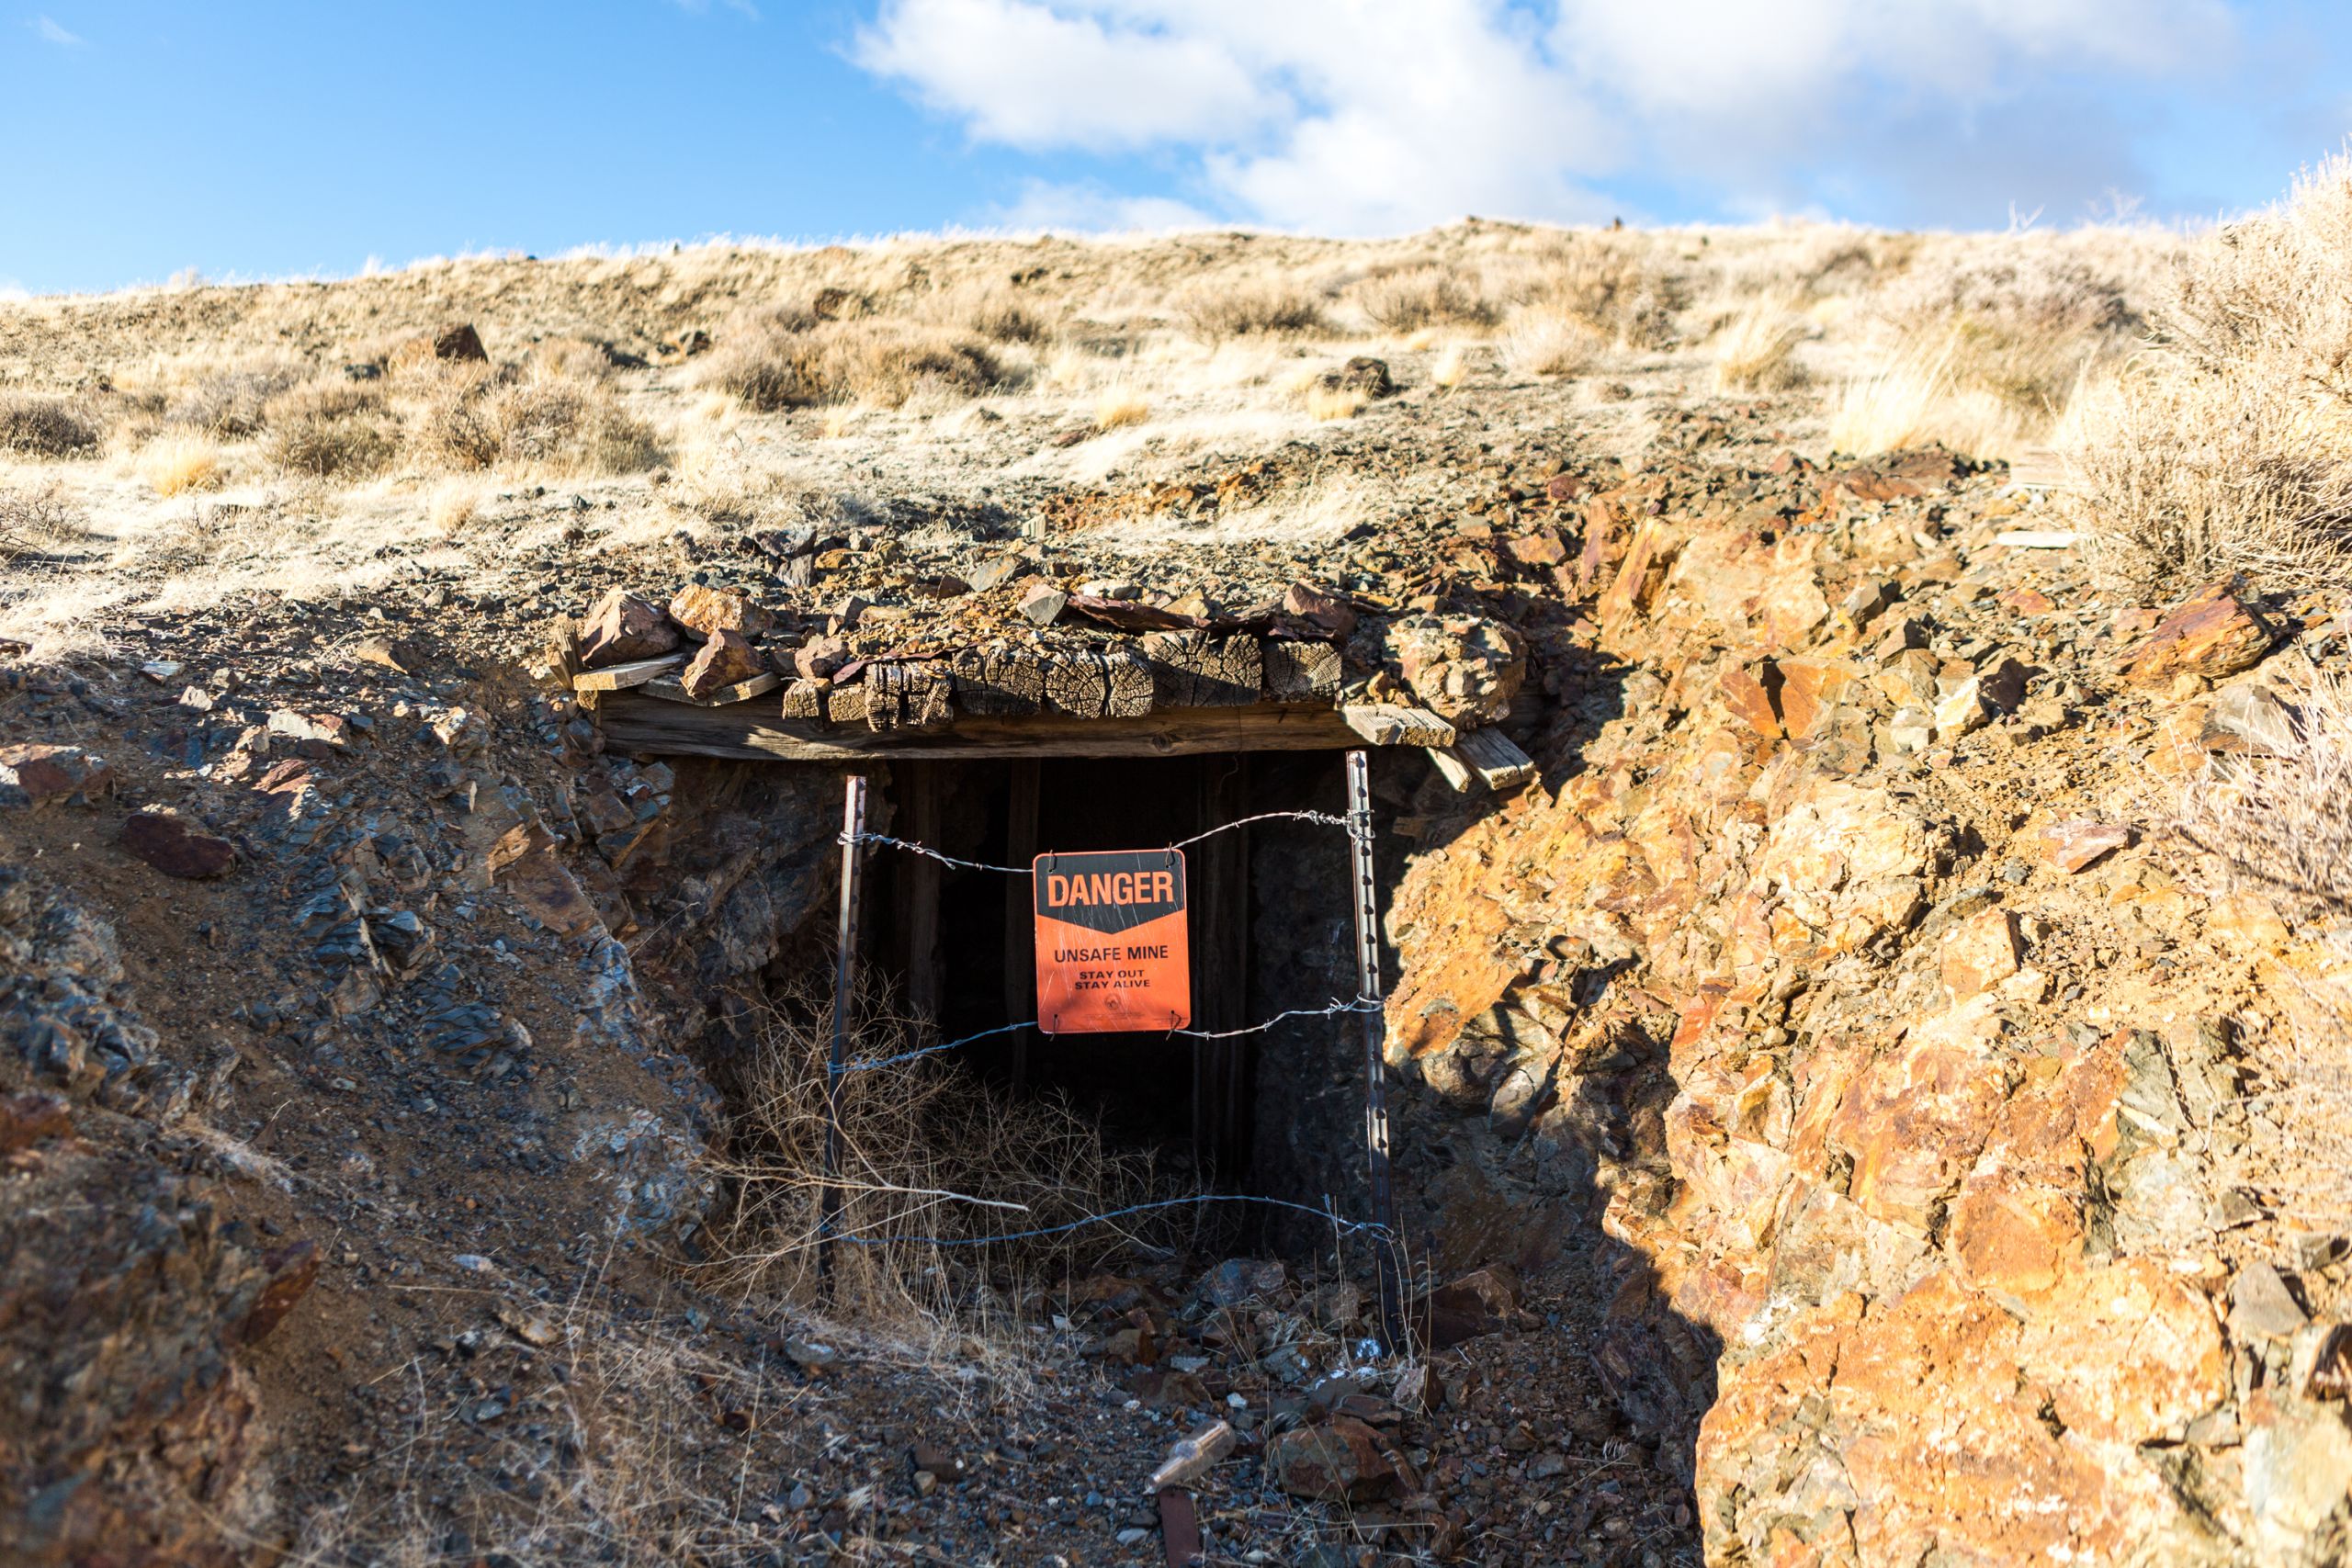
[1980,954]
[1810,690]
[2075,845]
[2212,634]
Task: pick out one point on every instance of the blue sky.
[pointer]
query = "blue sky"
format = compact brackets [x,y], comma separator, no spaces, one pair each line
[248,140]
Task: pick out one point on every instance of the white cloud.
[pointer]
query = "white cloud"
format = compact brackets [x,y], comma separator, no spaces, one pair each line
[1356,116]
[1092,210]
[1032,76]
[47,30]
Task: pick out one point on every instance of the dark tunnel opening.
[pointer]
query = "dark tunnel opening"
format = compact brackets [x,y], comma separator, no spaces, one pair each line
[1273,1114]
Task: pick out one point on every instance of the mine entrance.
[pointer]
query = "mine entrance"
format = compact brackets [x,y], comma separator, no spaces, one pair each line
[1269,930]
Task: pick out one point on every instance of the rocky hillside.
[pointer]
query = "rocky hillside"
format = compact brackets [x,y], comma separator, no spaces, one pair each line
[1874,1094]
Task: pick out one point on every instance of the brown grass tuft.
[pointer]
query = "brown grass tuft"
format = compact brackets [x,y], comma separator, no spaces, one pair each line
[1756,352]
[1119,406]
[177,465]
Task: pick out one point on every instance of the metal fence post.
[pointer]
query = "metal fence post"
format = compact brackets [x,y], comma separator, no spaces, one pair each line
[844,960]
[1375,1031]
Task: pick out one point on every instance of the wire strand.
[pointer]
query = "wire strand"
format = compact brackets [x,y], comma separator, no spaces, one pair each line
[1361,1004]
[1350,1227]
[957,862]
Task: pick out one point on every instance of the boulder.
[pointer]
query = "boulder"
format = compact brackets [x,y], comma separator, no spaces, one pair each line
[726,660]
[171,846]
[2214,634]
[702,613]
[621,627]
[1341,1461]
[43,775]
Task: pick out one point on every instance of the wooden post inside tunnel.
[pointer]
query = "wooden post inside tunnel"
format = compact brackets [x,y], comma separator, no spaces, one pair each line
[917,882]
[1020,847]
[1220,880]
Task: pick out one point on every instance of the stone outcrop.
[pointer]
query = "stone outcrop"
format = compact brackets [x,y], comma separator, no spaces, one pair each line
[1936,1249]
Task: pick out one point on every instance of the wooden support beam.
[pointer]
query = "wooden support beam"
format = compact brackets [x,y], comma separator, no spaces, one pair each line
[917,785]
[620,677]
[1019,909]
[1393,724]
[1501,765]
[1217,877]
[667,690]
[1484,759]
[633,722]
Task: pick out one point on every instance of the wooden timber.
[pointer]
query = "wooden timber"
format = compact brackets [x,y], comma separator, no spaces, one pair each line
[634,722]
[1483,757]
[1393,724]
[619,677]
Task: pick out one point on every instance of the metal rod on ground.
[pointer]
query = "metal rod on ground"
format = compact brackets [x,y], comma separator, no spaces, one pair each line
[844,961]
[1375,1031]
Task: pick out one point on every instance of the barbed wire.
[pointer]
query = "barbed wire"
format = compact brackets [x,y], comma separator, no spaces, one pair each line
[1361,1004]
[960,864]
[1350,1227]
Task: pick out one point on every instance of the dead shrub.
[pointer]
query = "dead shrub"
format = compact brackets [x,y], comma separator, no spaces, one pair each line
[1606,285]
[230,405]
[771,365]
[2280,827]
[2283,824]
[36,521]
[930,1156]
[1540,342]
[2228,444]
[330,430]
[2024,323]
[37,426]
[1215,311]
[1415,298]
[470,418]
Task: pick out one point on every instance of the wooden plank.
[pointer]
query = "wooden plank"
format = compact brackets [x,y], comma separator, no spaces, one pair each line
[618,677]
[2043,468]
[632,722]
[1459,776]
[670,691]
[1393,724]
[1500,764]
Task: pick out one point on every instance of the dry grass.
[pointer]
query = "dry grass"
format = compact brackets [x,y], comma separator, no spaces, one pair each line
[36,426]
[2228,445]
[1451,367]
[176,466]
[1540,342]
[1756,351]
[1118,406]
[1264,308]
[1329,400]
[453,504]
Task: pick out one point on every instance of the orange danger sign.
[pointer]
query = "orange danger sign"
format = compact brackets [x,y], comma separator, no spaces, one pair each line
[1113,952]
